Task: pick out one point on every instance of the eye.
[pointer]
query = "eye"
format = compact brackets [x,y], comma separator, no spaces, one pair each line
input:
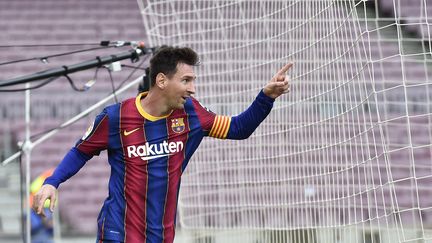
[184,81]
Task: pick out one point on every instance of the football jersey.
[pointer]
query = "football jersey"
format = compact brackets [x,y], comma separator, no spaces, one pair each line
[147,156]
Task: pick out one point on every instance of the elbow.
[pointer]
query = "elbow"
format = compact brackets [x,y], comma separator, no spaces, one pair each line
[247,135]
[244,135]
[239,131]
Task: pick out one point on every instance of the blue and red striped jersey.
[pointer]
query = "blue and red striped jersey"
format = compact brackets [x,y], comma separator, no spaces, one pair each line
[148,155]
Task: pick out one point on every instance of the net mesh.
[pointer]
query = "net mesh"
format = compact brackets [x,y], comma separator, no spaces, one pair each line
[348,149]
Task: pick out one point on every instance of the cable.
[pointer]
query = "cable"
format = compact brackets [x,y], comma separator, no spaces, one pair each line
[35,136]
[74,87]
[134,67]
[95,75]
[86,87]
[33,87]
[112,86]
[146,57]
[51,45]
[43,59]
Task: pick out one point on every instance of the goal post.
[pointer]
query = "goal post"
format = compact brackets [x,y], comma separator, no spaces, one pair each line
[346,156]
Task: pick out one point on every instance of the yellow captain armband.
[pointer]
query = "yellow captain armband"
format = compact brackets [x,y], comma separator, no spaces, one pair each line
[220,127]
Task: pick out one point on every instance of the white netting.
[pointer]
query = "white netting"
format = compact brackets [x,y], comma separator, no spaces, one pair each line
[348,149]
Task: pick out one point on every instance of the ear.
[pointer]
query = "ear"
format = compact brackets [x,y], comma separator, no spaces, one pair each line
[161,80]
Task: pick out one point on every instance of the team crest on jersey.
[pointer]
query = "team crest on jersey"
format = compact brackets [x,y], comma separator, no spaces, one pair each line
[178,125]
[89,130]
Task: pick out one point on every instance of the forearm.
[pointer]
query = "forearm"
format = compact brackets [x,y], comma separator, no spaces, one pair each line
[243,125]
[73,161]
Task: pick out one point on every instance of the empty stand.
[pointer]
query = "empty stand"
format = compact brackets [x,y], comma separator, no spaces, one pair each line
[386,164]
[63,22]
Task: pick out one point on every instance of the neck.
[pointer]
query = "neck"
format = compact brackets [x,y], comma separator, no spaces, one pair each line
[155,105]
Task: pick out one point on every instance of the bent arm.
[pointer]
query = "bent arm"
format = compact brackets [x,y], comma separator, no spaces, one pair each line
[73,161]
[94,141]
[243,125]
[69,166]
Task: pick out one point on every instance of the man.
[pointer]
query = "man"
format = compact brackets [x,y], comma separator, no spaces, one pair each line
[150,140]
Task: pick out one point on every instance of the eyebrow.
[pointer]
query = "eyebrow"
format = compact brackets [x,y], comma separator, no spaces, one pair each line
[189,77]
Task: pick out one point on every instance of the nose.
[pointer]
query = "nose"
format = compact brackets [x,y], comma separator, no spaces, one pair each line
[191,87]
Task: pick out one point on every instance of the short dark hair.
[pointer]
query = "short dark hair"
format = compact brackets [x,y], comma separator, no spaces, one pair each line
[166,58]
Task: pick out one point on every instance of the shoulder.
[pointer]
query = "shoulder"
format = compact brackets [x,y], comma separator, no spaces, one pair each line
[198,106]
[115,107]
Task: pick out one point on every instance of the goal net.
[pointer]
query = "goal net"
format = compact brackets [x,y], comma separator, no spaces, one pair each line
[346,156]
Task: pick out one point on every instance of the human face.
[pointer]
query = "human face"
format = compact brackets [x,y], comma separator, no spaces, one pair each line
[180,86]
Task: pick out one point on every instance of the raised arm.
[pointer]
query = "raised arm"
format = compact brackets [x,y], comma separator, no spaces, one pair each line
[244,124]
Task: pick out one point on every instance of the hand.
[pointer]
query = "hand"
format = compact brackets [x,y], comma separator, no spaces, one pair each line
[279,84]
[46,192]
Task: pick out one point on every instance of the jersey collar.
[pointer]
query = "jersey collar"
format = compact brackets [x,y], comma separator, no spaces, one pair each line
[143,112]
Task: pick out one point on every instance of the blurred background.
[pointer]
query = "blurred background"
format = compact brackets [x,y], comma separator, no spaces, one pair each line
[39,30]
[345,157]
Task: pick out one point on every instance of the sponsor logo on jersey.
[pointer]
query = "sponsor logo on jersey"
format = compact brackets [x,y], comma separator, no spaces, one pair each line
[152,151]
[178,125]
[127,133]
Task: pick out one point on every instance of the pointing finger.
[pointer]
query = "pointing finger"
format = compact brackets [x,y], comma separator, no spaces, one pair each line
[284,69]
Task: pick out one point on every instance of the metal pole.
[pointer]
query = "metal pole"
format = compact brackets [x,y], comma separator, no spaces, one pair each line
[74,119]
[56,223]
[27,147]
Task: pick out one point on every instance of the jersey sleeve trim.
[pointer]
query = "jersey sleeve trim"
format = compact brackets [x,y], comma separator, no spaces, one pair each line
[220,127]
